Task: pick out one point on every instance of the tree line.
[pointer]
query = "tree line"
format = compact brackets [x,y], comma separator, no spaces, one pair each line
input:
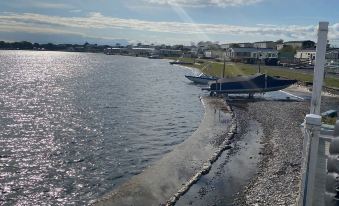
[25,45]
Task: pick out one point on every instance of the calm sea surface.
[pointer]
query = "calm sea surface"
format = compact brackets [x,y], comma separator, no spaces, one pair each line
[74,125]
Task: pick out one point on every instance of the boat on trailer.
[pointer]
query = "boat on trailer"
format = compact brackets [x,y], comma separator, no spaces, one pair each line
[201,79]
[258,83]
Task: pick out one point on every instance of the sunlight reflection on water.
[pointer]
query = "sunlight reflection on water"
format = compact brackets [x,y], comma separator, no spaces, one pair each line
[74,125]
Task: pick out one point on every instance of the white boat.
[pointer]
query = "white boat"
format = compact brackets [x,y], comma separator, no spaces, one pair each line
[201,79]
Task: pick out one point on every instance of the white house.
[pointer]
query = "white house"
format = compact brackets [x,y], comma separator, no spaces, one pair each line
[280,46]
[306,55]
[225,46]
[208,54]
[309,55]
[250,54]
[143,51]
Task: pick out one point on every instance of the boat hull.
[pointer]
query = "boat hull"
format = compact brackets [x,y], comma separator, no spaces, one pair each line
[181,63]
[200,80]
[256,84]
[250,91]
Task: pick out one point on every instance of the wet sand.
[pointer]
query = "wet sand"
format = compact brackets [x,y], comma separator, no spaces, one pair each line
[171,176]
[233,169]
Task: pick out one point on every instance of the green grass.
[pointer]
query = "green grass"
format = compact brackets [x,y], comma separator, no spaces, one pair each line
[215,69]
[329,120]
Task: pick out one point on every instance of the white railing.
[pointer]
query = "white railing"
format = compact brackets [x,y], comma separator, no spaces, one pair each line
[312,188]
[320,168]
[332,176]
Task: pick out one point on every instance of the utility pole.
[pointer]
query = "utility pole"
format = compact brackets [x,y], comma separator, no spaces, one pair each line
[223,71]
[259,59]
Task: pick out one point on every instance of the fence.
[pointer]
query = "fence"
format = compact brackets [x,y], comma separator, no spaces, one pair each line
[320,169]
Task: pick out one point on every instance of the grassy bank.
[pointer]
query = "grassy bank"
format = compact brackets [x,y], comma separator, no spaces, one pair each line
[329,120]
[235,69]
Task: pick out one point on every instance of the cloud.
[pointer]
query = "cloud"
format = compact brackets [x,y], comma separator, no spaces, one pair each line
[204,3]
[95,21]
[45,4]
[75,10]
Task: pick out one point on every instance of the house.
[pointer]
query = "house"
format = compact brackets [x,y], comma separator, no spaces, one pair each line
[245,45]
[264,45]
[280,46]
[142,51]
[208,54]
[214,54]
[194,51]
[306,56]
[207,45]
[250,55]
[332,54]
[115,51]
[233,45]
[111,51]
[300,44]
[226,46]
[170,52]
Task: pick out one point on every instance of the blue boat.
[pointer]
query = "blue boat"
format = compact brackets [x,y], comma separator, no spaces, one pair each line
[258,83]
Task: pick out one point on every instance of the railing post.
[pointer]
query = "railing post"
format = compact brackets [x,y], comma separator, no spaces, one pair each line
[310,195]
[312,132]
[332,179]
[318,77]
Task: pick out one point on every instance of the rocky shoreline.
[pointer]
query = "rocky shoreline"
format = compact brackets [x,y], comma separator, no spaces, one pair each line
[268,175]
[278,177]
[233,169]
[275,179]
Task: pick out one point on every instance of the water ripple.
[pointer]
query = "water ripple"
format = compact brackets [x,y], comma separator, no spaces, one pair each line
[74,126]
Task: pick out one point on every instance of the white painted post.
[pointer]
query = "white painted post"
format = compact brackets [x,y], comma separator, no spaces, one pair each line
[309,194]
[318,78]
[312,132]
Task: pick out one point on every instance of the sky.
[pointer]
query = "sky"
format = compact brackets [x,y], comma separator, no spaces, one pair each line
[165,21]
